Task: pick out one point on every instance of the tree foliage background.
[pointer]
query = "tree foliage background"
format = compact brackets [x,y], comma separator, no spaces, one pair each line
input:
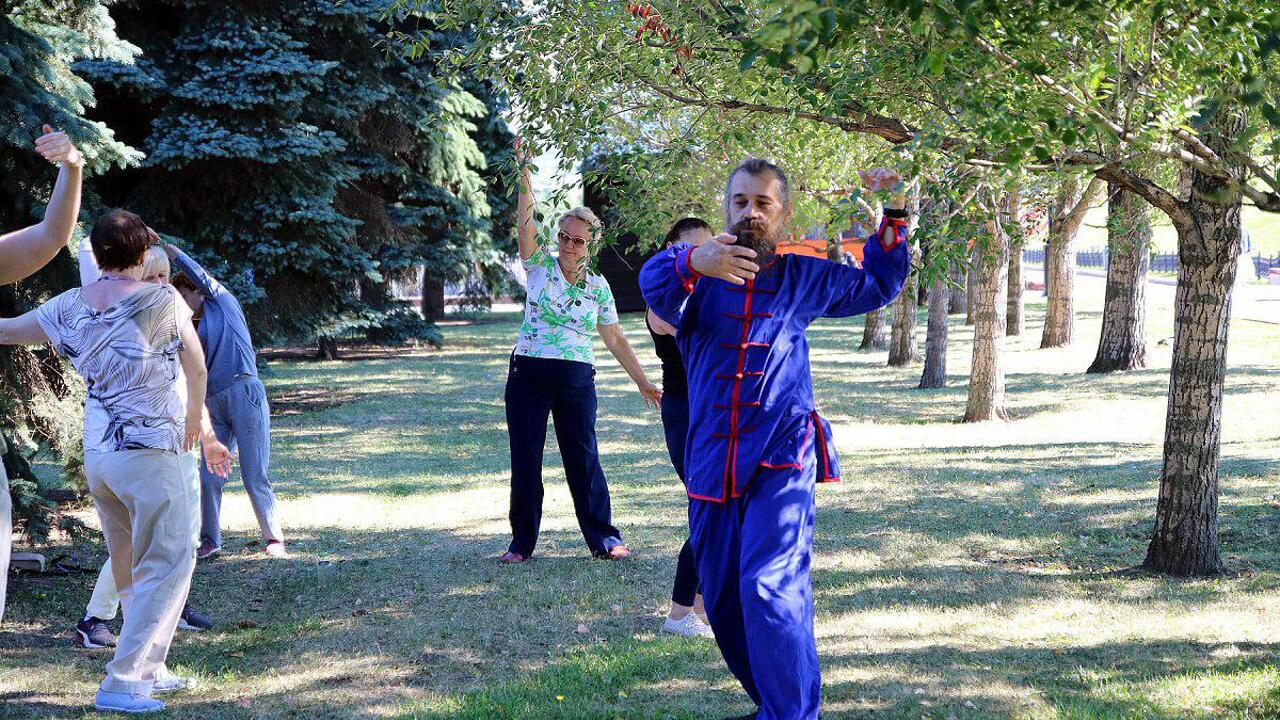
[293,148]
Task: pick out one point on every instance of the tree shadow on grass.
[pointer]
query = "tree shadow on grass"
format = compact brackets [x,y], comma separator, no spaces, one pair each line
[405,612]
[1104,680]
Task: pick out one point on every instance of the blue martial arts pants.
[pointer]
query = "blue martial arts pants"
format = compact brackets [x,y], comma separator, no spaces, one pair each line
[753,559]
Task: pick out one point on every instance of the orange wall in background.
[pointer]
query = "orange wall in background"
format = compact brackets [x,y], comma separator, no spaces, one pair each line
[818,248]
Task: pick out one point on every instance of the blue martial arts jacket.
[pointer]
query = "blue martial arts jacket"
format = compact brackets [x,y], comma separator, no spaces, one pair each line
[747,358]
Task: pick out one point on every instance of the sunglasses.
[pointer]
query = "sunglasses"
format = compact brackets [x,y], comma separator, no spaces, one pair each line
[569,240]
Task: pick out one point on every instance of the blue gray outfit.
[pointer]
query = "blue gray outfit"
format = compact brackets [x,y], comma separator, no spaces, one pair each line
[237,404]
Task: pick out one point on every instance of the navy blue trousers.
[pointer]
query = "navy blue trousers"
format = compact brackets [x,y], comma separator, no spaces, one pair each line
[754,560]
[565,390]
[675,424]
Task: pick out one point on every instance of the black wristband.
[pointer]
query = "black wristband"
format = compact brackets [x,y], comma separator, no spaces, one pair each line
[900,214]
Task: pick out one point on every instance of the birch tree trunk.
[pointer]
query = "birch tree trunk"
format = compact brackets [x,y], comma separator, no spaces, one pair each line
[1015,323]
[935,344]
[1123,344]
[1185,540]
[971,286]
[986,380]
[1069,210]
[959,291]
[873,331]
[903,348]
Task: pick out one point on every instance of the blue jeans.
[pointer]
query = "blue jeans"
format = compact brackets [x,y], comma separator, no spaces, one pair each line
[566,390]
[241,420]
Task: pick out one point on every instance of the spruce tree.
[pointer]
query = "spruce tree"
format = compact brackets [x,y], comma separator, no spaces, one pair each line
[303,157]
[40,397]
[239,161]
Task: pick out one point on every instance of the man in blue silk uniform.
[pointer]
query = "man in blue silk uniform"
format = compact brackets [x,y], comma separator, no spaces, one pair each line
[756,445]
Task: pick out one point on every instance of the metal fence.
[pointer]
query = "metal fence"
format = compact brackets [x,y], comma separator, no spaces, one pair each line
[1262,266]
[1160,262]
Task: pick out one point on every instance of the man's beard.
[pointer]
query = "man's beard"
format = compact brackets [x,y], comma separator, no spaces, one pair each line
[758,236]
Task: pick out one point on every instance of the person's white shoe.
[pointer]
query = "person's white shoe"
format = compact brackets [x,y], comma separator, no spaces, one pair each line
[173,683]
[126,703]
[275,549]
[688,626]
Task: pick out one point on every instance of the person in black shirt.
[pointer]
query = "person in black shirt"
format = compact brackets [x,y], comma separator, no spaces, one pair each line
[687,617]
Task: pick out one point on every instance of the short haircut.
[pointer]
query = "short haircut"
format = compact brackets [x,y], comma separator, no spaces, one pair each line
[756,167]
[183,283]
[685,225]
[119,240]
[586,215]
[155,261]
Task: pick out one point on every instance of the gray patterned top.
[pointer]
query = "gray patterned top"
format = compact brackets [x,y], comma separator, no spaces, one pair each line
[128,357]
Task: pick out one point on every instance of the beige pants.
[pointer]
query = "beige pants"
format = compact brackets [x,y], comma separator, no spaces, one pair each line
[146,517]
[105,600]
[6,533]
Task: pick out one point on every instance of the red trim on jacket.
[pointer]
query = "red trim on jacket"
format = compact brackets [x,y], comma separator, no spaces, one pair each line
[731,459]
[686,282]
[821,448]
[899,226]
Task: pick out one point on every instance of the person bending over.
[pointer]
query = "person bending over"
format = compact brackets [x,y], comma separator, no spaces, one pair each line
[237,406]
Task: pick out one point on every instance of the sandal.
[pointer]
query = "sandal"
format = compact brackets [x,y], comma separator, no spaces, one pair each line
[617,552]
[511,558]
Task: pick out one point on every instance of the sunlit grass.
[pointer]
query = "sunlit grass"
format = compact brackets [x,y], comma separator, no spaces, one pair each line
[966,571]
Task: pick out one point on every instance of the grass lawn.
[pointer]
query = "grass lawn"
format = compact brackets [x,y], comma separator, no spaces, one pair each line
[960,571]
[1263,227]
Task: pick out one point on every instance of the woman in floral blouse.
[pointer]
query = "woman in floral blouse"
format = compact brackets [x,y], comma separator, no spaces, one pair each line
[553,373]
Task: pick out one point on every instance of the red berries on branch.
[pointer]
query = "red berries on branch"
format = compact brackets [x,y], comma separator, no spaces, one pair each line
[652,22]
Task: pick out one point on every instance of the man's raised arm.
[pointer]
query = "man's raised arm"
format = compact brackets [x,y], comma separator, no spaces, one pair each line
[885,264]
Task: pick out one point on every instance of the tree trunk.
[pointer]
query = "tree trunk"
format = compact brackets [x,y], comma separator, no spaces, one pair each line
[1015,323]
[327,348]
[432,299]
[935,344]
[903,348]
[971,285]
[1069,209]
[1185,540]
[986,381]
[873,334]
[1123,345]
[1060,315]
[959,291]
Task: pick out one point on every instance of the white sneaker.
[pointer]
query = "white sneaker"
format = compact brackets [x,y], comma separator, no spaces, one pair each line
[126,703]
[688,626]
[173,683]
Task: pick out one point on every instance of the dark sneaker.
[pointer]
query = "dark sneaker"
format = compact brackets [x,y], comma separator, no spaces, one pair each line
[194,621]
[207,550]
[93,633]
